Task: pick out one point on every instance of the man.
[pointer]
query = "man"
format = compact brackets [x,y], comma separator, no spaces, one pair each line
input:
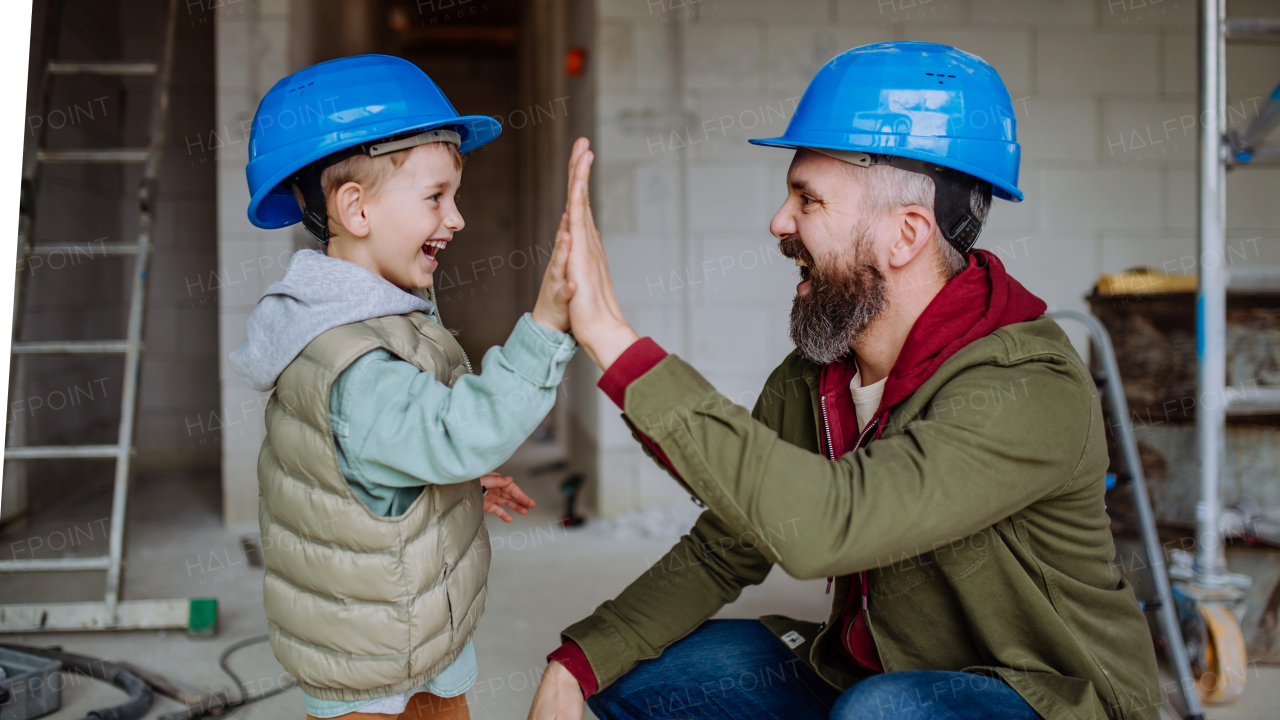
[934,445]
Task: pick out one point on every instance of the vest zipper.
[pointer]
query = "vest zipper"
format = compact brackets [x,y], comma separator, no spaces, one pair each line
[435,310]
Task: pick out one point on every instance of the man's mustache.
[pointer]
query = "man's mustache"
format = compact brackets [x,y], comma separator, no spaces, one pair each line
[792,247]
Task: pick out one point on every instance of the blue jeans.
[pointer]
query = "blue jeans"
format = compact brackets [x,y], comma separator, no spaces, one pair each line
[737,670]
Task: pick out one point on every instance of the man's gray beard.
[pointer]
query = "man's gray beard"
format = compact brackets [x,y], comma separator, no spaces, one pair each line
[843,299]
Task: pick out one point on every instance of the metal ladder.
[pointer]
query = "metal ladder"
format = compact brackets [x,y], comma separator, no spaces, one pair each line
[196,615]
[1210,599]
[1112,388]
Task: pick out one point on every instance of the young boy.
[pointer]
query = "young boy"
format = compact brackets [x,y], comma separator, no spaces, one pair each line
[371,510]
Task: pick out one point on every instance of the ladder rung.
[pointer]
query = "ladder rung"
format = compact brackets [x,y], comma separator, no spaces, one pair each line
[102,68]
[107,156]
[1250,27]
[1253,278]
[90,250]
[71,347]
[52,452]
[64,564]
[1253,401]
[75,617]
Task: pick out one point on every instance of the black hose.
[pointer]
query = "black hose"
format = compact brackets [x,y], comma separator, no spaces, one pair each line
[217,709]
[140,693]
[139,702]
[222,662]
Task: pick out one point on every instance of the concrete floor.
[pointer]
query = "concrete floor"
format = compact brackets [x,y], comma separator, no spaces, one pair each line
[543,578]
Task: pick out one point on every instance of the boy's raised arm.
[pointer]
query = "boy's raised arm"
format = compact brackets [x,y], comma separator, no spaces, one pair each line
[408,425]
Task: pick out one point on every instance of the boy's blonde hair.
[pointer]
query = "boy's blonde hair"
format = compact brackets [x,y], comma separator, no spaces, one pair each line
[370,172]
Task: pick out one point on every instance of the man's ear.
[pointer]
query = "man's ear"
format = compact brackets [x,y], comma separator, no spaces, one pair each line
[915,227]
[349,207]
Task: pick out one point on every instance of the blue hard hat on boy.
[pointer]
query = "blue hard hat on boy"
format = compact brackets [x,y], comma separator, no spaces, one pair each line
[349,104]
[919,106]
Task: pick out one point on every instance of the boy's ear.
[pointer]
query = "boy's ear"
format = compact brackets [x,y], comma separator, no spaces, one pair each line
[347,206]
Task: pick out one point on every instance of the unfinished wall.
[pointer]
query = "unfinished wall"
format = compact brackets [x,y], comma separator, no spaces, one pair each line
[254,50]
[1104,93]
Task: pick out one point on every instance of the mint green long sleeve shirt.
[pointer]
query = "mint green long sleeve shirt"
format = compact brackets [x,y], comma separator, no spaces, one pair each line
[398,429]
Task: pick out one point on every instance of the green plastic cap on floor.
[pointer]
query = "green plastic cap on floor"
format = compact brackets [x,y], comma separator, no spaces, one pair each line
[203,618]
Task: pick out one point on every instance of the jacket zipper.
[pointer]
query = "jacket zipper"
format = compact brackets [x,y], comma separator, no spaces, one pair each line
[831,451]
[826,426]
[866,613]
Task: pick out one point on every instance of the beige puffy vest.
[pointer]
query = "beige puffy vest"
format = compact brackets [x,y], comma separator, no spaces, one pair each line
[360,606]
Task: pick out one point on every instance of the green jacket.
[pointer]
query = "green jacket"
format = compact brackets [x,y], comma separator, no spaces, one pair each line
[979,514]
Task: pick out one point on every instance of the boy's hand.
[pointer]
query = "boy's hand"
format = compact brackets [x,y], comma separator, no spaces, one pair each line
[504,491]
[598,323]
[552,307]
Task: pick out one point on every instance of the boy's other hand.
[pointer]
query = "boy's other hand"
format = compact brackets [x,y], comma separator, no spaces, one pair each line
[503,491]
[597,319]
[552,307]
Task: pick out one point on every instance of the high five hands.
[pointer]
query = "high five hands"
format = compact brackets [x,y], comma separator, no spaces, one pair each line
[596,320]
[593,312]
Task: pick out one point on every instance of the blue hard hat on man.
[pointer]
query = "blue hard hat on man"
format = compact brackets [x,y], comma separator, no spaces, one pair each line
[922,107]
[327,112]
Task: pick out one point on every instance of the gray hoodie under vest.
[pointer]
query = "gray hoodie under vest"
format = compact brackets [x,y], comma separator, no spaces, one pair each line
[318,293]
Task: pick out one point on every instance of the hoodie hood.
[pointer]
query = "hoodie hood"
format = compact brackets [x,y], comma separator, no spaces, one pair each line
[981,299]
[318,293]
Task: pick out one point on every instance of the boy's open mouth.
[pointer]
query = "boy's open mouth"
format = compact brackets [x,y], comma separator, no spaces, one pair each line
[431,247]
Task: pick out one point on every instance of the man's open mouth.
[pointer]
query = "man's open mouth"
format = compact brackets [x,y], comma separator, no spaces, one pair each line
[791,247]
[804,268]
[431,247]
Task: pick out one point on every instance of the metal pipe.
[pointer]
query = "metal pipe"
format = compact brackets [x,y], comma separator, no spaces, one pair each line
[50,452]
[68,347]
[102,68]
[1211,299]
[1119,405]
[1251,27]
[111,156]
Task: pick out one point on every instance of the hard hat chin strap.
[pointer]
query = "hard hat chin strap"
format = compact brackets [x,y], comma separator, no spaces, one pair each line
[952,192]
[315,215]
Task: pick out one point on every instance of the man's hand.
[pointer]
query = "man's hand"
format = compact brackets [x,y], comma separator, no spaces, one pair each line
[597,320]
[504,491]
[559,696]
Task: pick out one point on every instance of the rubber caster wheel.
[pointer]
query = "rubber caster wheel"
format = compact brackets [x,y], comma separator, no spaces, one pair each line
[1216,649]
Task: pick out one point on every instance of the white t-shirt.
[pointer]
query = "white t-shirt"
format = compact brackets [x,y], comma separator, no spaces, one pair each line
[865,399]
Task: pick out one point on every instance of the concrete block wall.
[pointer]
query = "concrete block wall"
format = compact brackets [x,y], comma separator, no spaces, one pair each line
[180,360]
[253,51]
[1105,97]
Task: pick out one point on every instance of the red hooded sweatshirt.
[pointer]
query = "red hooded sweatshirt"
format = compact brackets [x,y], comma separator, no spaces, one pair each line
[975,303]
